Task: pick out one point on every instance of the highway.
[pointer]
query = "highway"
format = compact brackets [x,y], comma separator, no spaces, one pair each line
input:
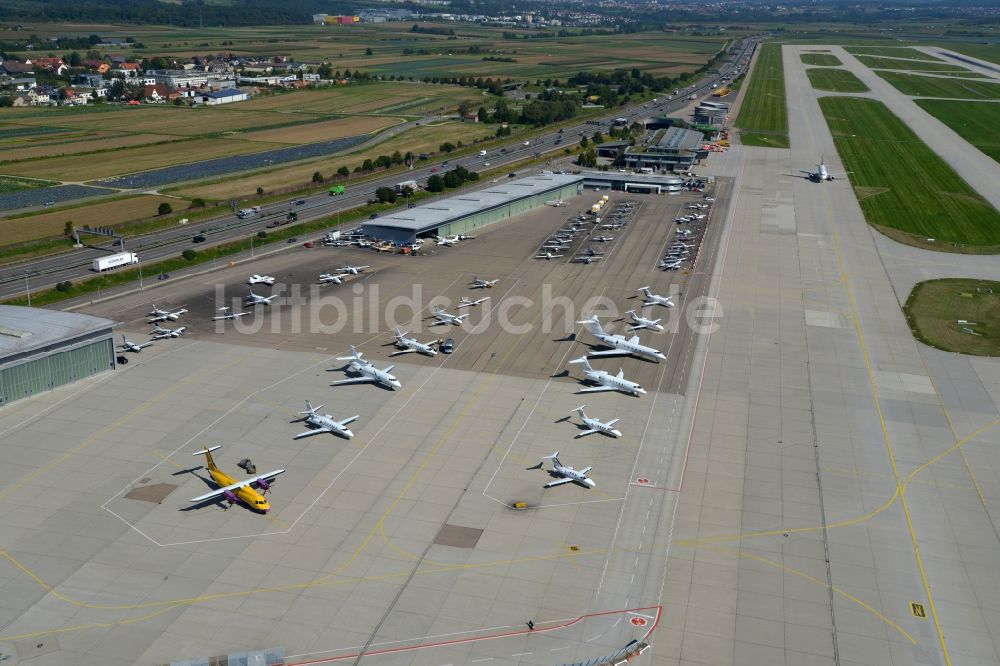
[75,266]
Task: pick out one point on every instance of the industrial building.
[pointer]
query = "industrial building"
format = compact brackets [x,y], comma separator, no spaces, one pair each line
[677,150]
[711,113]
[469,211]
[43,349]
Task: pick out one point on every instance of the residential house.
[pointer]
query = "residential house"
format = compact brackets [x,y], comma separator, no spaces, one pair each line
[20,100]
[53,65]
[160,93]
[39,96]
[89,80]
[126,70]
[23,83]
[99,66]
[15,68]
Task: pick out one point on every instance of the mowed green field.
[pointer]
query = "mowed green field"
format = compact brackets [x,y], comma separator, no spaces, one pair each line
[902,184]
[904,52]
[930,86]
[875,62]
[820,59]
[935,307]
[835,80]
[763,119]
[976,122]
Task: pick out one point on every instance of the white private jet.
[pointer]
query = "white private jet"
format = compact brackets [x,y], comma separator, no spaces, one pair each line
[353,270]
[128,345]
[367,372]
[331,278]
[256,299]
[164,333]
[548,255]
[641,322]
[260,279]
[821,174]
[320,423]
[227,313]
[654,299]
[407,345]
[468,302]
[565,474]
[596,425]
[606,381]
[446,318]
[478,283]
[555,204]
[619,343]
[158,315]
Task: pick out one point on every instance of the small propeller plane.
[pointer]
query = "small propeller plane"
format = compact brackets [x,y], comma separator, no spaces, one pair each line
[332,278]
[260,279]
[447,240]
[670,264]
[596,425]
[320,423]
[367,372]
[565,474]
[158,315]
[555,203]
[353,270]
[160,333]
[641,322]
[128,345]
[606,381]
[227,313]
[619,343]
[257,299]
[446,318]
[233,490]
[821,174]
[468,302]
[548,255]
[407,345]
[478,283]
[586,259]
[654,299]
[603,239]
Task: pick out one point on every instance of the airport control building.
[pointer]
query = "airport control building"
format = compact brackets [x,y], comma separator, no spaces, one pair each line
[42,349]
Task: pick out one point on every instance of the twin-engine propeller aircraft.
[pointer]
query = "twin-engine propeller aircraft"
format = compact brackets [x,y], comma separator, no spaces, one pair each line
[353,270]
[257,299]
[468,302]
[158,315]
[332,278]
[548,255]
[160,333]
[128,345]
[227,313]
[478,283]
[565,473]
[367,372]
[233,490]
[320,423]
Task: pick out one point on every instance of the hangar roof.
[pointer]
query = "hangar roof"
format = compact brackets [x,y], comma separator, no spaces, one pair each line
[23,329]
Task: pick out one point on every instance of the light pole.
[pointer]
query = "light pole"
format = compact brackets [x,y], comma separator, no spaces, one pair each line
[251,246]
[27,289]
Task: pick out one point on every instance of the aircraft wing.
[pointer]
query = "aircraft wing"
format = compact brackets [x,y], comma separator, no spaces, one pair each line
[585,433]
[350,420]
[595,389]
[354,380]
[218,492]
[609,352]
[612,422]
[558,482]
[310,433]
[403,351]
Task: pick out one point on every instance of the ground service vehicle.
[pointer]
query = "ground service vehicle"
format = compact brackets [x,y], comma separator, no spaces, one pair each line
[115,260]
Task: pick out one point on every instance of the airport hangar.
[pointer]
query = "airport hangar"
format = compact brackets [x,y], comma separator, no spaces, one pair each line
[41,349]
[469,211]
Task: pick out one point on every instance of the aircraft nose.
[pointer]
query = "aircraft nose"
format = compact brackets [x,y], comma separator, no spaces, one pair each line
[395,384]
[590,483]
[348,434]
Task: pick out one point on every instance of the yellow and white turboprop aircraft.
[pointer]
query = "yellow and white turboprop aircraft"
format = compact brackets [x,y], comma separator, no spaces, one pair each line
[233,490]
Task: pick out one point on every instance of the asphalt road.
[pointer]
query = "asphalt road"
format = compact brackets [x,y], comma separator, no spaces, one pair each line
[75,266]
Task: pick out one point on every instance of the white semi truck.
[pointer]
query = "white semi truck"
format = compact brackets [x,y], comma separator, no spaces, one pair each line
[102,264]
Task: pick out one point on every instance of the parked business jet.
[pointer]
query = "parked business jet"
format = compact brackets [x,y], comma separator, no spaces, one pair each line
[606,381]
[320,423]
[654,299]
[565,474]
[619,343]
[407,345]
[367,372]
[641,322]
[596,425]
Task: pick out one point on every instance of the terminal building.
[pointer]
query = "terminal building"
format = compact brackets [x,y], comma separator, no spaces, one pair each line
[677,150]
[43,349]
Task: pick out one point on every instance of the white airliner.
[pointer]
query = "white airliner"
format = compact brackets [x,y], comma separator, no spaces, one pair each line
[468,302]
[641,322]
[164,333]
[128,345]
[565,474]
[606,381]
[256,299]
[821,174]
[353,270]
[619,343]
[548,255]
[157,315]
[478,283]
[320,423]
[654,299]
[446,318]
[407,345]
[331,278]
[367,372]
[227,313]
[596,425]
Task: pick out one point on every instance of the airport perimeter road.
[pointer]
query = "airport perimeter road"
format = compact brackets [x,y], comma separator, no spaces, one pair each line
[977,168]
[75,266]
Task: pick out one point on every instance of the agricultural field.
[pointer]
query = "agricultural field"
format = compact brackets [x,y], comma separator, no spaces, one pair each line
[322,131]
[835,80]
[935,307]
[905,189]
[36,226]
[820,59]
[927,86]
[976,122]
[417,140]
[876,62]
[763,119]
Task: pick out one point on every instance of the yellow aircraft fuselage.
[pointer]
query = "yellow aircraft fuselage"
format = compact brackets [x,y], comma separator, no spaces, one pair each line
[246,494]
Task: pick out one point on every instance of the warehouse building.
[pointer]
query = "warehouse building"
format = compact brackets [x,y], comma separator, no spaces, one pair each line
[43,349]
[468,211]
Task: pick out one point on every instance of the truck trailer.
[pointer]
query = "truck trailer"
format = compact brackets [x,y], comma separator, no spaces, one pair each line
[102,264]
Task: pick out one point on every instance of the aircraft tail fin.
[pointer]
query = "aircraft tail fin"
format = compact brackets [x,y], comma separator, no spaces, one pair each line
[584,362]
[593,324]
[310,409]
[580,410]
[208,455]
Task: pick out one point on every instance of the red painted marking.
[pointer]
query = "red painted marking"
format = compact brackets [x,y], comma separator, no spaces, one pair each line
[638,621]
[522,632]
[642,481]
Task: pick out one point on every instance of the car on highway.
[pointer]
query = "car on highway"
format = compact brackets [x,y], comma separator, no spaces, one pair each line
[293,239]
[50,203]
[200,238]
[434,169]
[307,244]
[298,202]
[373,216]
[512,174]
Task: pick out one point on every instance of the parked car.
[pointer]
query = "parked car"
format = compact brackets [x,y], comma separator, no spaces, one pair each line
[448,346]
